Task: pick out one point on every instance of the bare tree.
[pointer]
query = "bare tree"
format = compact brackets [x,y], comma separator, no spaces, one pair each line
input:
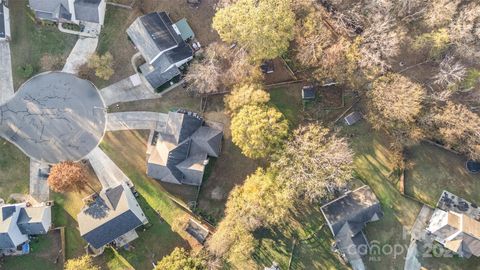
[464,31]
[440,12]
[450,72]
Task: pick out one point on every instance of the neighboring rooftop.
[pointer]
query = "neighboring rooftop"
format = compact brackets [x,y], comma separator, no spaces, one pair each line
[181,150]
[2,20]
[346,217]
[113,213]
[88,10]
[353,118]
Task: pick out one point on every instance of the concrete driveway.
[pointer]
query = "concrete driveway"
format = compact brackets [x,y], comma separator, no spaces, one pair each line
[128,89]
[6,80]
[39,189]
[106,170]
[136,120]
[84,48]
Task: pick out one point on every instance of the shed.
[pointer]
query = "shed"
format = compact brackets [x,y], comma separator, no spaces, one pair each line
[308,92]
[267,67]
[197,231]
[353,118]
[183,28]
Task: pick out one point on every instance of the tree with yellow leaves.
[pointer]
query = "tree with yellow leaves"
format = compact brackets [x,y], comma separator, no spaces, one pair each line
[242,95]
[263,27]
[258,130]
[102,64]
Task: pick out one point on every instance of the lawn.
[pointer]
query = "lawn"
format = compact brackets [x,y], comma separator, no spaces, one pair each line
[42,256]
[31,41]
[14,170]
[434,169]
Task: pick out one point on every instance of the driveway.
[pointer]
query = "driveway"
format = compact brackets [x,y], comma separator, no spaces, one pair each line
[129,89]
[106,170]
[84,48]
[38,181]
[6,81]
[136,120]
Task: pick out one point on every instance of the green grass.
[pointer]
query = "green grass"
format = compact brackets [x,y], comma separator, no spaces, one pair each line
[14,170]
[434,169]
[30,41]
[42,257]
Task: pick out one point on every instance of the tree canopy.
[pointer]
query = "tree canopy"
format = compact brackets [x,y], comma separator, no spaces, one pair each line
[263,27]
[258,130]
[314,162]
[180,259]
[67,176]
[102,64]
[248,94]
[395,103]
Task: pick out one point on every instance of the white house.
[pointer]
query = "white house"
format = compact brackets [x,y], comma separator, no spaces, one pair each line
[4,21]
[70,11]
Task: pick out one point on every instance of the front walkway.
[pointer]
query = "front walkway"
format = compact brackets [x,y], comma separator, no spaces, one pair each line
[136,120]
[6,80]
[84,48]
[38,181]
[128,89]
[106,170]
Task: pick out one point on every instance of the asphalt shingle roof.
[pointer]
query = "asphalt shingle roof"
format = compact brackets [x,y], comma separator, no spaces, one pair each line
[87,10]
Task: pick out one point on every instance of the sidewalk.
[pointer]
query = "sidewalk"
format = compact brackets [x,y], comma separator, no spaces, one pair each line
[136,120]
[6,80]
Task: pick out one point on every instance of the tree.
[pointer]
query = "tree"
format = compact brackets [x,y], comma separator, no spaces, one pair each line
[81,263]
[103,65]
[450,73]
[248,94]
[440,12]
[458,127]
[67,176]
[435,42]
[258,130]
[314,162]
[263,27]
[395,103]
[261,201]
[180,259]
[220,68]
[465,31]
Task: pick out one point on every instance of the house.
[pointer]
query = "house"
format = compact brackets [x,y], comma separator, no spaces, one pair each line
[346,217]
[4,21]
[180,151]
[70,11]
[353,118]
[455,225]
[111,216]
[160,43]
[18,221]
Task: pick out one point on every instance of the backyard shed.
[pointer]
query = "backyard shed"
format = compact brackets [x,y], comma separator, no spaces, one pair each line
[308,92]
[183,28]
[353,118]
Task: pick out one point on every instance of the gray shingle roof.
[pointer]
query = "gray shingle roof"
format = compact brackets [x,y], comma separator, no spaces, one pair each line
[7,211]
[157,77]
[353,118]
[358,206]
[107,232]
[6,241]
[30,220]
[87,10]
[182,149]
[110,216]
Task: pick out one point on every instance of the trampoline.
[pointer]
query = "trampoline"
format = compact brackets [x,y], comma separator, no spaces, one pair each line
[473,166]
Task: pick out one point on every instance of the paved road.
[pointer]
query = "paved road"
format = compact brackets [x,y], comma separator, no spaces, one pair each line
[38,181]
[54,117]
[106,170]
[80,54]
[128,89]
[6,81]
[136,120]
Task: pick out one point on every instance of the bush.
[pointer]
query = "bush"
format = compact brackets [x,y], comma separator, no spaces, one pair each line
[26,71]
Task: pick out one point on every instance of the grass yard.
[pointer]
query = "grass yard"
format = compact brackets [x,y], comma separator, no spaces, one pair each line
[32,41]
[42,256]
[434,169]
[14,170]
